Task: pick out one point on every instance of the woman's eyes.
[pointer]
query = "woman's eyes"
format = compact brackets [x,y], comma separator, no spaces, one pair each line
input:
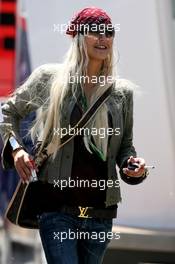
[93,33]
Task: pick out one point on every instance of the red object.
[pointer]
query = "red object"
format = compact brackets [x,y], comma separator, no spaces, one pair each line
[7,47]
[89,15]
[33,163]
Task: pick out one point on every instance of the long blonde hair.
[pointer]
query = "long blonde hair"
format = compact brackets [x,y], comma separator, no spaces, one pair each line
[75,62]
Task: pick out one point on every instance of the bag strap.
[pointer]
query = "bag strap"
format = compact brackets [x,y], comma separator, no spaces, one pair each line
[88,115]
[85,119]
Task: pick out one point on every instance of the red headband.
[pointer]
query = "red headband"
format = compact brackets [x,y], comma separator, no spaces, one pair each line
[89,15]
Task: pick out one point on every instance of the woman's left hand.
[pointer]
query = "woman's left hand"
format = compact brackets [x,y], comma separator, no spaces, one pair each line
[138,172]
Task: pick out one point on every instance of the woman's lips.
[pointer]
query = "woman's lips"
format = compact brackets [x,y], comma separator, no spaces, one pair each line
[101,48]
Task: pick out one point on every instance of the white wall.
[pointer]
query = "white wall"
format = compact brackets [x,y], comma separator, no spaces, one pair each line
[145,47]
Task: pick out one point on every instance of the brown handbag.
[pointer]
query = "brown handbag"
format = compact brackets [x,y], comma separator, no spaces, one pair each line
[28,199]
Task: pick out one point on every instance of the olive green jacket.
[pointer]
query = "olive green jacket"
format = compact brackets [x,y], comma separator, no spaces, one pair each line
[34,94]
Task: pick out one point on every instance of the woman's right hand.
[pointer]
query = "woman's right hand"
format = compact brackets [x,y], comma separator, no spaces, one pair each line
[22,163]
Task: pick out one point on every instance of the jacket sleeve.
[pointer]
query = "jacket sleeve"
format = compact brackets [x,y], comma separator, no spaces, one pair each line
[127,149]
[27,98]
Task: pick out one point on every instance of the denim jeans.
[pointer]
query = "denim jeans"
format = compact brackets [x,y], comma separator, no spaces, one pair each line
[69,239]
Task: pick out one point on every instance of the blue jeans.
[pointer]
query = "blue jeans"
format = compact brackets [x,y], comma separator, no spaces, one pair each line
[69,239]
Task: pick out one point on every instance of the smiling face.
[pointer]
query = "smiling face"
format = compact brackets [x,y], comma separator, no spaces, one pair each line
[99,46]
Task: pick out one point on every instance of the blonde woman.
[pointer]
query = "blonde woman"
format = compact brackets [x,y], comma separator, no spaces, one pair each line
[76,223]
